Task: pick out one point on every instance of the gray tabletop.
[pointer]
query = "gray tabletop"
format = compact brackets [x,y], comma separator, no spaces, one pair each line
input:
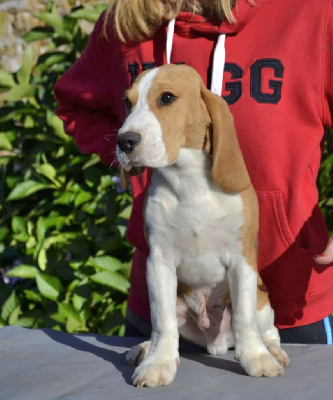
[46,364]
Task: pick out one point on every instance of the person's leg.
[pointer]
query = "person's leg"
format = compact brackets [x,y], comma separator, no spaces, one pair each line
[317,333]
[136,326]
[328,323]
[132,331]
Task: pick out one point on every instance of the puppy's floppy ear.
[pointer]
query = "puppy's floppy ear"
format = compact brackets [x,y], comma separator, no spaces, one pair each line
[229,170]
[124,175]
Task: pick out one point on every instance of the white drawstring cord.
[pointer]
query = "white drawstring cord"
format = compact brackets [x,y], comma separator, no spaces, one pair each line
[218,59]
[170,32]
[218,66]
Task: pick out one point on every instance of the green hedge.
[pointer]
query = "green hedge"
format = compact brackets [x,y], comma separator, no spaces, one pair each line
[64,258]
[325,181]
[63,218]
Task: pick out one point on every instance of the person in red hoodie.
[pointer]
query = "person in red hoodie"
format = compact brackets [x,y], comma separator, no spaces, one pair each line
[278,82]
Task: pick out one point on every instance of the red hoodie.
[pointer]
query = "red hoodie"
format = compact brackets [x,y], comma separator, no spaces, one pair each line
[278,81]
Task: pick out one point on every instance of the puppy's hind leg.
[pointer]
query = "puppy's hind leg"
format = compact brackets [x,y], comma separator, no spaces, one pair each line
[268,331]
[205,325]
[252,353]
[137,353]
[220,337]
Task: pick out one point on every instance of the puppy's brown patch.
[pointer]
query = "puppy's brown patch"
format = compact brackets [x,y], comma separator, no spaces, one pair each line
[184,122]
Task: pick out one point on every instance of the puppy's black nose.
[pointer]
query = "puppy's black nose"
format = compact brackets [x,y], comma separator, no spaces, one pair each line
[128,141]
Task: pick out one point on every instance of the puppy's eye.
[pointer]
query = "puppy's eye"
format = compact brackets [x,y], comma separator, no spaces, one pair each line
[128,105]
[167,98]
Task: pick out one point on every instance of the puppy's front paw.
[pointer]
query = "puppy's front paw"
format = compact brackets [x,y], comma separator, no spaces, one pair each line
[138,353]
[152,374]
[261,364]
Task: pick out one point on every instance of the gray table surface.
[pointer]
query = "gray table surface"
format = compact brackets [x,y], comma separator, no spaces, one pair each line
[46,364]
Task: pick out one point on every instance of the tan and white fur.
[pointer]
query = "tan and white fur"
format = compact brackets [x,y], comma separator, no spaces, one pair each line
[201,217]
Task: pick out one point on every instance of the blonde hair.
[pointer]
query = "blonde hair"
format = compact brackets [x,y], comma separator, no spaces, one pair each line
[140,19]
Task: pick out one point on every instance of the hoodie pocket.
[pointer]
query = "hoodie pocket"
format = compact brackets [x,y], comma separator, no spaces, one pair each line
[283,264]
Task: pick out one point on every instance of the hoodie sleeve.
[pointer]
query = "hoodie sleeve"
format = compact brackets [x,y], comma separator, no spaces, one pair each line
[328,68]
[89,96]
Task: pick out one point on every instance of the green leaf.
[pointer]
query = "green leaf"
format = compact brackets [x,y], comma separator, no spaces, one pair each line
[76,264]
[42,259]
[49,171]
[20,92]
[24,74]
[125,213]
[25,322]
[23,271]
[3,233]
[74,322]
[47,60]
[72,325]
[96,297]
[89,208]
[9,306]
[29,122]
[65,198]
[49,286]
[82,197]
[21,237]
[59,317]
[43,224]
[25,189]
[51,18]
[5,143]
[78,301]
[38,33]
[111,279]
[14,316]
[30,243]
[88,15]
[32,296]
[57,125]
[106,181]
[6,79]
[4,160]
[62,238]
[94,159]
[12,112]
[105,263]
[68,311]
[19,224]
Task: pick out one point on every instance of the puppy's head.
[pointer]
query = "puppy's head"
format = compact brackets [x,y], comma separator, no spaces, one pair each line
[169,108]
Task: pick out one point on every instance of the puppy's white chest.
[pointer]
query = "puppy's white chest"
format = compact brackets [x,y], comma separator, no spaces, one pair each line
[194,222]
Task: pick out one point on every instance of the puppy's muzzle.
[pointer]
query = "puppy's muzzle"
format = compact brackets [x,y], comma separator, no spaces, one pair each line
[128,141]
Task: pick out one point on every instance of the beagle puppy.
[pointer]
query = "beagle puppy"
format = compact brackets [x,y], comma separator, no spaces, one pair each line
[201,218]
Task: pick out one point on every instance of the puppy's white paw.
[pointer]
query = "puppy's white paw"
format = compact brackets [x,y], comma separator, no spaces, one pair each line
[217,349]
[152,374]
[261,364]
[138,353]
[279,354]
